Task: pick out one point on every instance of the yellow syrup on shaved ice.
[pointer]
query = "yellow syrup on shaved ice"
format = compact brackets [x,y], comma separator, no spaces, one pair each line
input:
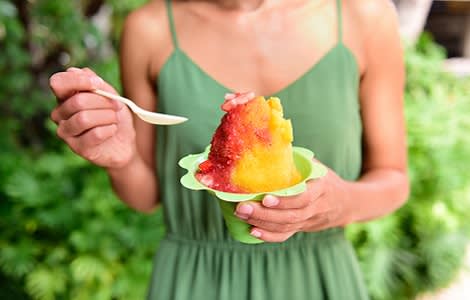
[251,150]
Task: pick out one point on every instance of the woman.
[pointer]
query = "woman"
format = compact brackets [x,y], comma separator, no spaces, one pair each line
[336,65]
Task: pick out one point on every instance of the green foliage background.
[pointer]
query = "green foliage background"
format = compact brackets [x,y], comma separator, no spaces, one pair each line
[64,235]
[421,247]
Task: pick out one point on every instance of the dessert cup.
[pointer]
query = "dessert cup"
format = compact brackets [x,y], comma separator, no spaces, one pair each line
[239,229]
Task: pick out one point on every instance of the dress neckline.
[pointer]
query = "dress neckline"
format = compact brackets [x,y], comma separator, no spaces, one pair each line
[325,57]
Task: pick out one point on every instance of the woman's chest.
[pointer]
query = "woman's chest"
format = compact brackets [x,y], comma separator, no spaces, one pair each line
[322,105]
[264,54]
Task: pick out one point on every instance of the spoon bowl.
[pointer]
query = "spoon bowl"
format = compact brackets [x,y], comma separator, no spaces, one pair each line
[145,115]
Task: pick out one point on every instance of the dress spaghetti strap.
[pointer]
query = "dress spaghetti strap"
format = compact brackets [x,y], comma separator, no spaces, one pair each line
[339,13]
[171,23]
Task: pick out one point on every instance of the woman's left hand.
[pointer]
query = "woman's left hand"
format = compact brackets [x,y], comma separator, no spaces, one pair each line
[321,206]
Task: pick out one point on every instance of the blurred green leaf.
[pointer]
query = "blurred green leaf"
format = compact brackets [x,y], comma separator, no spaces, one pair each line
[7,9]
[44,283]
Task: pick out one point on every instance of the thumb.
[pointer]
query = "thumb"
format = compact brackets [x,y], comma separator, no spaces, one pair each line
[98,83]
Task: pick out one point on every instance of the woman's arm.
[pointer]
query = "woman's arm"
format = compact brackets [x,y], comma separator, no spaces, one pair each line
[383,186]
[136,183]
[104,131]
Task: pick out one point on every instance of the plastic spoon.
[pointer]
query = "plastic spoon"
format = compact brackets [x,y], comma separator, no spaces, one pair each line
[147,116]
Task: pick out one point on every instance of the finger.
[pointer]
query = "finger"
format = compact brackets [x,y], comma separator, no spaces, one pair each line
[315,190]
[81,102]
[103,85]
[86,71]
[92,138]
[318,222]
[272,237]
[89,71]
[85,120]
[74,69]
[85,144]
[97,135]
[232,100]
[254,211]
[275,227]
[66,84]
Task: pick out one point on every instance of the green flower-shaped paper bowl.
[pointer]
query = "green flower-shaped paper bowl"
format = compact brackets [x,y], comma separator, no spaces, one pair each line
[239,229]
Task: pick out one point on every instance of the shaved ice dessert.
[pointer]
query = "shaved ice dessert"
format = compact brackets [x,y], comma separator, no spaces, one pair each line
[251,150]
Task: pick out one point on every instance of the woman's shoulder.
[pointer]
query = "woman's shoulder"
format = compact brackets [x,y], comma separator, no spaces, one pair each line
[376,22]
[146,33]
[371,9]
[149,21]
[373,14]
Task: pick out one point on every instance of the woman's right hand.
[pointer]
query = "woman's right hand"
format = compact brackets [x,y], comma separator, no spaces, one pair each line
[96,128]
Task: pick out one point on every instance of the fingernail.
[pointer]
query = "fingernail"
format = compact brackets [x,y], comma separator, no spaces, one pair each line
[96,81]
[270,201]
[229,96]
[255,233]
[245,209]
[74,69]
[243,217]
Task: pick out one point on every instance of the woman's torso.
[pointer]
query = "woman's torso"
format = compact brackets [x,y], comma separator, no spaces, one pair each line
[318,87]
[322,103]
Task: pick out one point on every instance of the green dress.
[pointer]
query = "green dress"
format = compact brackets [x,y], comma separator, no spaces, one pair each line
[197,259]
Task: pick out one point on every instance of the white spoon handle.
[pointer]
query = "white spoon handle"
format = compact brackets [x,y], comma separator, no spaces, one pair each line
[147,116]
[126,101]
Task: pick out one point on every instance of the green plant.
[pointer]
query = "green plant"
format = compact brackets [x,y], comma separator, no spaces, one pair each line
[421,247]
[63,233]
